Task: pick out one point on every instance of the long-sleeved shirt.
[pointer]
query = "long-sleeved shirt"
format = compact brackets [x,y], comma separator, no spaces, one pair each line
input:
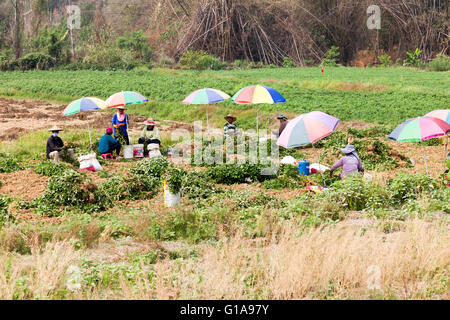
[350,164]
[53,144]
[106,141]
[125,122]
[282,126]
[150,134]
[230,129]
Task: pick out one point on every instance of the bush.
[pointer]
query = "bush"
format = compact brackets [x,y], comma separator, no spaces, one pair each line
[385,60]
[406,187]
[440,63]
[413,58]
[234,173]
[136,42]
[197,185]
[36,60]
[109,58]
[200,60]
[50,169]
[151,167]
[174,178]
[288,63]
[331,57]
[4,215]
[9,164]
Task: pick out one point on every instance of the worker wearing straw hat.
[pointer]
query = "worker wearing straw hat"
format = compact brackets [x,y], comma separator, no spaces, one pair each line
[150,133]
[230,129]
[283,123]
[350,164]
[55,146]
[120,122]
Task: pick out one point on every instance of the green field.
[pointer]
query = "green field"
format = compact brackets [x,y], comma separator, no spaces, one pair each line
[383,95]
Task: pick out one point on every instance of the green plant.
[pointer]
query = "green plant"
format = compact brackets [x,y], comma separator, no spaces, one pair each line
[331,57]
[4,215]
[288,63]
[412,59]
[50,169]
[234,173]
[136,42]
[197,185]
[174,178]
[440,63]
[38,61]
[385,60]
[406,187]
[9,164]
[200,60]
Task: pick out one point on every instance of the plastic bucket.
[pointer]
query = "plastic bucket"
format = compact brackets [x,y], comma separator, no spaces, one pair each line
[303,168]
[138,151]
[128,152]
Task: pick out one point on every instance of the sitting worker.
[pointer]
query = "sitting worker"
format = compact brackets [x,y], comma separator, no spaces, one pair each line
[108,144]
[230,129]
[283,123]
[55,146]
[150,133]
[350,163]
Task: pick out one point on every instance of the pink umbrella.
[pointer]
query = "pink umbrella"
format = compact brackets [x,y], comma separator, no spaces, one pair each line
[307,128]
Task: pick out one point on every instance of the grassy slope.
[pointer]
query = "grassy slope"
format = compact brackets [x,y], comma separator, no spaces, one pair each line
[373,95]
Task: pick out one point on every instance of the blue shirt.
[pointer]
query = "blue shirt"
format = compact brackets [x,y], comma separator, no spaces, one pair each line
[105,142]
[124,128]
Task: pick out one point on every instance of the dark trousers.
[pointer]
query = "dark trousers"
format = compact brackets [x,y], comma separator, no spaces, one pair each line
[114,146]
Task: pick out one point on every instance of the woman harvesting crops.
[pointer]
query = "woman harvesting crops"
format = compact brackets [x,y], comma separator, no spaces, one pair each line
[120,123]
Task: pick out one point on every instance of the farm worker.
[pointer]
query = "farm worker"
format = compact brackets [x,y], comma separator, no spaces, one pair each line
[108,144]
[120,122]
[230,129]
[150,133]
[55,146]
[283,123]
[350,164]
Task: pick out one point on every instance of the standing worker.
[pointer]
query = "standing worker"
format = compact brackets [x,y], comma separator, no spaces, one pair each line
[350,164]
[120,122]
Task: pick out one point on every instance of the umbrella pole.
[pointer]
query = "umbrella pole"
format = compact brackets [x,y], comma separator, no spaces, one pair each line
[90,138]
[257,122]
[446,147]
[425,158]
[318,162]
[207,120]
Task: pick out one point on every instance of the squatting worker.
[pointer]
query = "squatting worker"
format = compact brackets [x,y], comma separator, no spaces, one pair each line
[108,144]
[283,123]
[230,129]
[350,163]
[120,122]
[150,133]
[55,146]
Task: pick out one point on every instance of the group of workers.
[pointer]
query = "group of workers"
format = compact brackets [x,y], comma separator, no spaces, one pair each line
[109,143]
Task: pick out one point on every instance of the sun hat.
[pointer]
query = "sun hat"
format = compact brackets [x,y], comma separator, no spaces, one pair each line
[121,107]
[230,116]
[348,149]
[281,116]
[55,128]
[109,130]
[151,122]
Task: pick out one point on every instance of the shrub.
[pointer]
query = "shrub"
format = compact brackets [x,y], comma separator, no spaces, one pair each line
[9,164]
[136,42]
[197,185]
[331,57]
[440,63]
[109,58]
[288,63]
[151,167]
[4,215]
[385,60]
[406,187]
[50,169]
[412,59]
[36,60]
[200,60]
[174,178]
[234,173]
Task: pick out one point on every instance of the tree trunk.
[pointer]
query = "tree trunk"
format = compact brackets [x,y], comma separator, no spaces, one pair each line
[17,45]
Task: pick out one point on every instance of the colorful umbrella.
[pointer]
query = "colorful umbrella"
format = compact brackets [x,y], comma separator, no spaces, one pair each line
[125,98]
[255,95]
[307,128]
[440,114]
[206,96]
[84,104]
[420,129]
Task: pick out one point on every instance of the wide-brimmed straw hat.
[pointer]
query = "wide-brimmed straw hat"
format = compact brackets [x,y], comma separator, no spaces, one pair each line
[230,116]
[348,149]
[281,116]
[121,107]
[151,122]
[55,128]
